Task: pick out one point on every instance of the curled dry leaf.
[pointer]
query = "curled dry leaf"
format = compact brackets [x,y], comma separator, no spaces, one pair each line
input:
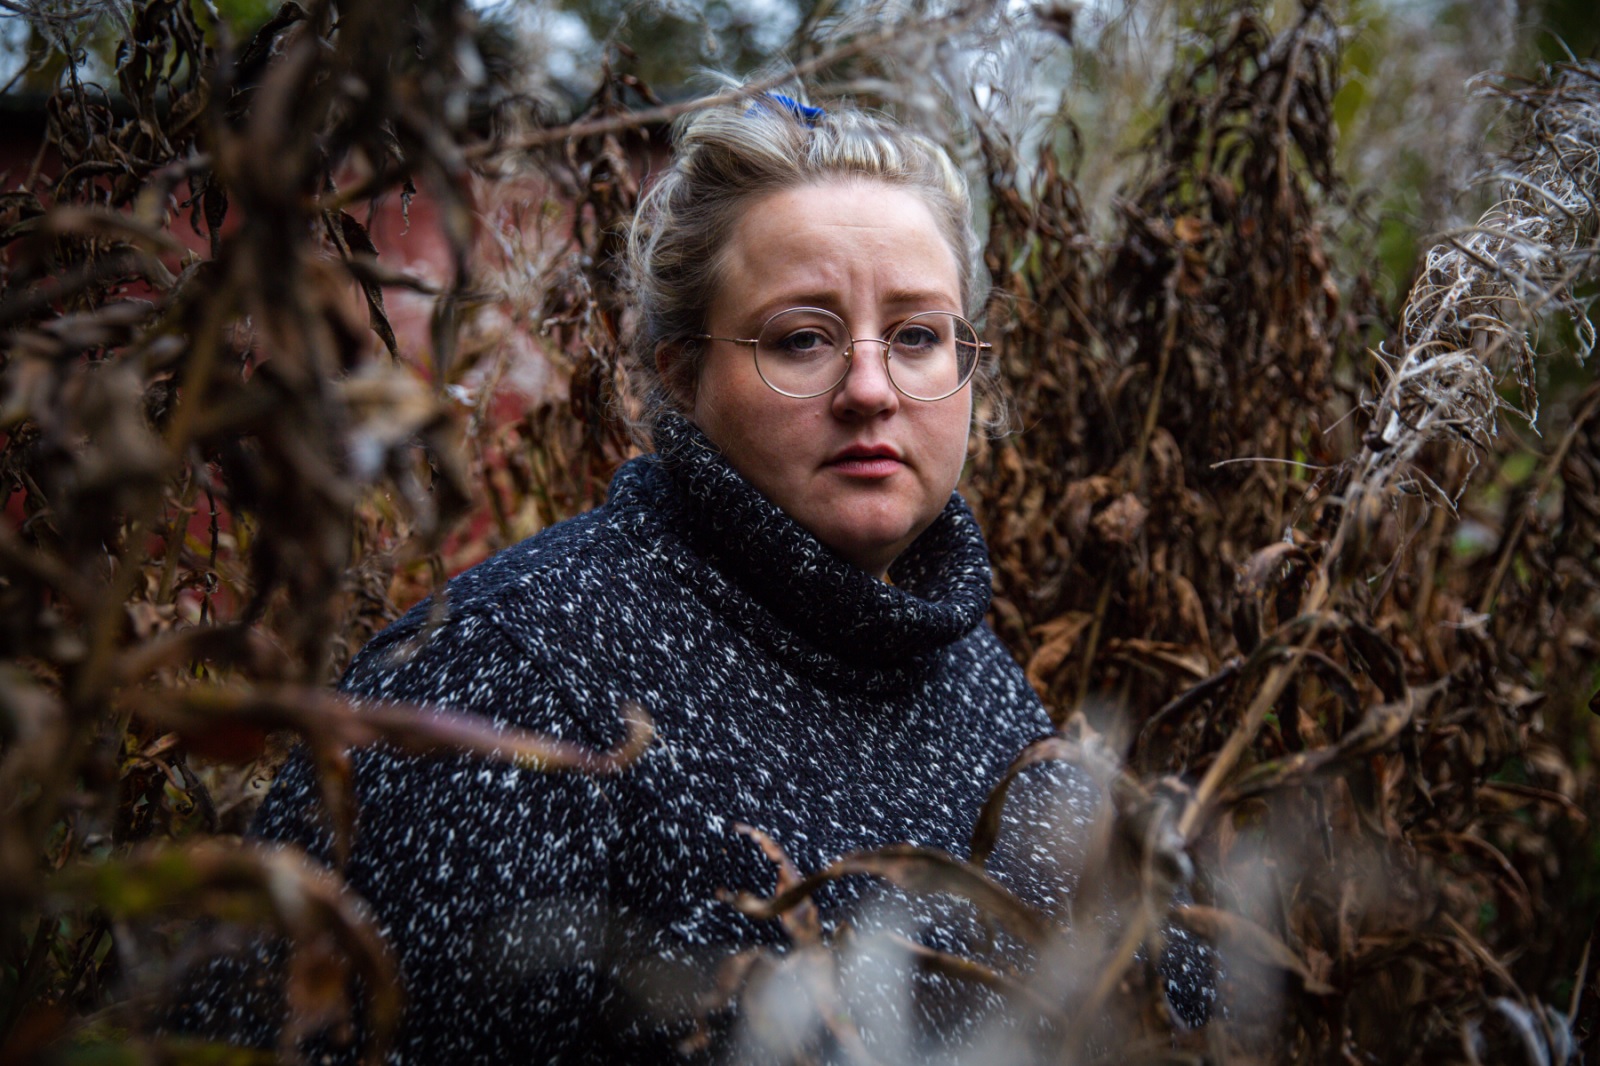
[230,722]
[1271,579]
[331,719]
[1120,521]
[801,921]
[1057,638]
[916,870]
[1235,932]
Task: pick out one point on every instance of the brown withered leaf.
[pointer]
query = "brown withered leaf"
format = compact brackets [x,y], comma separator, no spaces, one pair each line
[1240,934]
[1469,846]
[1182,661]
[1216,688]
[1075,743]
[328,717]
[986,832]
[1263,576]
[732,975]
[104,224]
[1079,501]
[213,718]
[1379,657]
[1376,730]
[801,921]
[1057,638]
[389,405]
[246,647]
[1190,229]
[1120,521]
[916,870]
[961,968]
[801,990]
[354,241]
[317,974]
[1179,596]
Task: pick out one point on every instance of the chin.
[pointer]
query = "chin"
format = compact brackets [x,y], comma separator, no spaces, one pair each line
[871,546]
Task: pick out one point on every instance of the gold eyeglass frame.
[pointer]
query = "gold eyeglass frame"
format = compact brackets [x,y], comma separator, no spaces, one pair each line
[849,353]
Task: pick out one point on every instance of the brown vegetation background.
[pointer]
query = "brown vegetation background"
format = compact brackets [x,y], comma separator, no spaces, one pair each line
[1321,617]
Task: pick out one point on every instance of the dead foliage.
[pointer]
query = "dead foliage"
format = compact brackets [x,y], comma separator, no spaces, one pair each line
[218,469]
[1338,725]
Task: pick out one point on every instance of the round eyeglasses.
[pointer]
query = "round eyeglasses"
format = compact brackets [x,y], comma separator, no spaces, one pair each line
[805,351]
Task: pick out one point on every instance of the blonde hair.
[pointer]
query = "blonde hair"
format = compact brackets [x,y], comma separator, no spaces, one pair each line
[725,157]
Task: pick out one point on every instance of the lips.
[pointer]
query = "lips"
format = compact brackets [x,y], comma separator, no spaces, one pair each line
[866,460]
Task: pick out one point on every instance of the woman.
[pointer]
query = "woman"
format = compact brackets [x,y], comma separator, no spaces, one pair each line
[788,585]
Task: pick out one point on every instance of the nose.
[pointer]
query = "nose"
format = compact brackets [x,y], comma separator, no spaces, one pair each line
[866,390]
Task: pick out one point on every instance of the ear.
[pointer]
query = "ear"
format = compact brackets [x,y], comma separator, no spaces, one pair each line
[669,358]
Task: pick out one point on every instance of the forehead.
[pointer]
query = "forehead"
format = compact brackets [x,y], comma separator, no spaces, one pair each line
[842,240]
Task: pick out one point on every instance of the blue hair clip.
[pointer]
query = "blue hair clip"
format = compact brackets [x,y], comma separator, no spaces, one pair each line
[806,114]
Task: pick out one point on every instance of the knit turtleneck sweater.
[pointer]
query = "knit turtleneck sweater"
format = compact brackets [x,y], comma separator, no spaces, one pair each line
[567,918]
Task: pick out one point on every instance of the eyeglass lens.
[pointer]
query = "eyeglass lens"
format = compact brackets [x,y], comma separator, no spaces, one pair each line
[801,352]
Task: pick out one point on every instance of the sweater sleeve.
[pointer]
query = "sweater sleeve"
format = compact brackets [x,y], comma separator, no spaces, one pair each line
[488,882]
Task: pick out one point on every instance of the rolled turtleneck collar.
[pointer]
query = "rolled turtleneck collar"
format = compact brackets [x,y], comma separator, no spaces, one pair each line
[938,591]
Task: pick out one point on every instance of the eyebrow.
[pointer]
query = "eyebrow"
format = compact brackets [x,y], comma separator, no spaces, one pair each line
[828,300]
[900,297]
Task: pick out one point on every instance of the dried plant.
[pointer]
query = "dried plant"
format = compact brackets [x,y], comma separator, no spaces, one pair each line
[1336,727]
[1472,311]
[218,464]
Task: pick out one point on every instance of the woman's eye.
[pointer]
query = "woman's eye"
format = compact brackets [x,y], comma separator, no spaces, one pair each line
[806,342]
[915,338]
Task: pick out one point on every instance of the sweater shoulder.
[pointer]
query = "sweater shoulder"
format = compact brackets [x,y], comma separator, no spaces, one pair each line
[548,571]
[559,558]
[505,638]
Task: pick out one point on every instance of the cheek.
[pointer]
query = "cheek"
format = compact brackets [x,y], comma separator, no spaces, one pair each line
[742,418]
[951,431]
[719,401]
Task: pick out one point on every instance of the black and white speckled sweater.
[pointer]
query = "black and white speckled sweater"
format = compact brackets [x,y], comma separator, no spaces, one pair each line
[556,917]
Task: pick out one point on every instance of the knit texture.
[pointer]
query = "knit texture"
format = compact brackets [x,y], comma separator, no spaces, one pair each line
[565,918]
